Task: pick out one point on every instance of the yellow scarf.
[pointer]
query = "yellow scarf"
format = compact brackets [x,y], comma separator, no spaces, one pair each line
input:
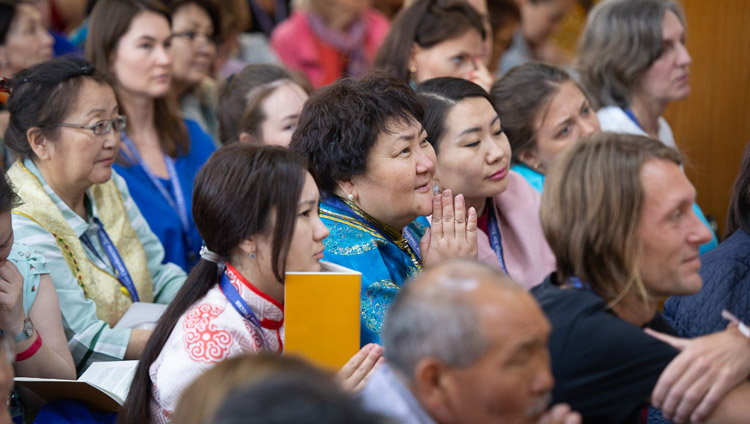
[100,286]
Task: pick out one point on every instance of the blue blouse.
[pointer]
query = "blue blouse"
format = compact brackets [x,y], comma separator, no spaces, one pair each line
[358,244]
[531,176]
[163,220]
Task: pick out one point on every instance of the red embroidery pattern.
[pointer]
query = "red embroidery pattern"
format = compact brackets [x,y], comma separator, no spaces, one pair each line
[203,341]
[234,280]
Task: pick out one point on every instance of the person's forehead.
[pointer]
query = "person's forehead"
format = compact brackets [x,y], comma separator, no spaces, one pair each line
[664,185]
[510,317]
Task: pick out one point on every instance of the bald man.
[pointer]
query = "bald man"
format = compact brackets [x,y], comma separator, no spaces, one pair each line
[465,344]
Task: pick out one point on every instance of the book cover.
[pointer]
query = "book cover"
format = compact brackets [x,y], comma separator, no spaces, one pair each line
[322,315]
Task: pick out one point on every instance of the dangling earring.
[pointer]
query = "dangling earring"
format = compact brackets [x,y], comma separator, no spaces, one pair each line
[252,255]
[413,76]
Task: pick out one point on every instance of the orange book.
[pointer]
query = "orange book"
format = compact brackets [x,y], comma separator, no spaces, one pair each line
[322,314]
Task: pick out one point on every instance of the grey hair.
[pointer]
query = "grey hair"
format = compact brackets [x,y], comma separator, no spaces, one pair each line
[621,40]
[439,319]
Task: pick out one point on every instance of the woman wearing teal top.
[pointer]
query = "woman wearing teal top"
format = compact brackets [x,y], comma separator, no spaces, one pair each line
[543,111]
[29,310]
[374,165]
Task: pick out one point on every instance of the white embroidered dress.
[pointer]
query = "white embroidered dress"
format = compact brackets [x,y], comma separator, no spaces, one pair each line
[211,331]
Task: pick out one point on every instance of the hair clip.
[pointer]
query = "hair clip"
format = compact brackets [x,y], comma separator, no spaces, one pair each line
[5,86]
[86,69]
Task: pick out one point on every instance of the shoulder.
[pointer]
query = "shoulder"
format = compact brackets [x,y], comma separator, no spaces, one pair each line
[612,118]
[519,194]
[535,179]
[27,260]
[603,366]
[201,145]
[665,133]
[348,236]
[730,258]
[294,26]
[726,285]
[566,305]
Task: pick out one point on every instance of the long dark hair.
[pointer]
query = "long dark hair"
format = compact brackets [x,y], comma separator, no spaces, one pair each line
[427,23]
[233,198]
[738,216]
[110,21]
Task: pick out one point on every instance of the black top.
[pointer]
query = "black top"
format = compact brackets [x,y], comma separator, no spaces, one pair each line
[604,367]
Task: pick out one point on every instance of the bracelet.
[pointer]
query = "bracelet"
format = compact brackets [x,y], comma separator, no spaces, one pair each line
[28,353]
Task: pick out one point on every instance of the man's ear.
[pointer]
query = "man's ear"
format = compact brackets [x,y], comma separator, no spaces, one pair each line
[431,379]
[40,145]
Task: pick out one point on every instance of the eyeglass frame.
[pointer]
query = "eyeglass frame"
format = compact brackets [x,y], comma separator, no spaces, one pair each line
[191,36]
[92,127]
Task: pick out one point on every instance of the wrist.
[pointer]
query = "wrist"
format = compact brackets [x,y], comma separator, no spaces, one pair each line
[16,327]
[26,332]
[31,350]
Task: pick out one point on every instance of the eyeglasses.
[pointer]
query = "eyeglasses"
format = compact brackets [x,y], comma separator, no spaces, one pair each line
[191,36]
[101,127]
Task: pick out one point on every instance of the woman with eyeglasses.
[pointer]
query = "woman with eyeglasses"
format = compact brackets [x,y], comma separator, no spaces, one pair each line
[195,24]
[65,127]
[161,152]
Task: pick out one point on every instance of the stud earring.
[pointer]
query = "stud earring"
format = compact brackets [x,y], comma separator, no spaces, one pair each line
[350,197]
[252,255]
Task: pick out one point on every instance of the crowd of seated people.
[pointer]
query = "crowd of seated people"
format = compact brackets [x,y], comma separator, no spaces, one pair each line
[513,259]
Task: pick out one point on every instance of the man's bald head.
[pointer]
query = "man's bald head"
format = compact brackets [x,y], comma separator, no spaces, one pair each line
[438,314]
[471,345]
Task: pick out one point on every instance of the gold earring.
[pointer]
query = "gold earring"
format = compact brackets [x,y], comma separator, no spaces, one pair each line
[413,74]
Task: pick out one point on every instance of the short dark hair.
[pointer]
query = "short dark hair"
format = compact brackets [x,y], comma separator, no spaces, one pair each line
[438,96]
[293,397]
[42,96]
[427,23]
[519,97]
[340,124]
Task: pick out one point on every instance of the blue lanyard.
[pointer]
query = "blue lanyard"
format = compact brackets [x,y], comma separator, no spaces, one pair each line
[411,238]
[577,283]
[239,304]
[114,257]
[408,235]
[495,237]
[632,117]
[178,203]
